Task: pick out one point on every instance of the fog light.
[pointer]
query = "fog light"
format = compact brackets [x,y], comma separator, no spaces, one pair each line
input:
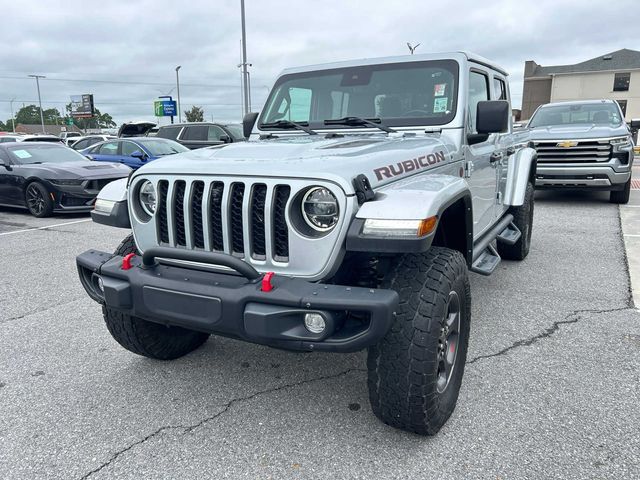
[100,284]
[314,322]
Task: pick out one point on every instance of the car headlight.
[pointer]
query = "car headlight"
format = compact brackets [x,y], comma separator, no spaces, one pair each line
[147,197]
[320,209]
[67,182]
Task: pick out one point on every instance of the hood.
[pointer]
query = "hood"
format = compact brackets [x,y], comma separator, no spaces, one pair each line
[135,129]
[381,158]
[79,170]
[577,131]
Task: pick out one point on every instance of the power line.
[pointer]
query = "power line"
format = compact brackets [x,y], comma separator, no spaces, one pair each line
[122,103]
[123,82]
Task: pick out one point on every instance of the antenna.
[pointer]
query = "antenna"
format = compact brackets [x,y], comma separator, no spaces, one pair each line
[412,48]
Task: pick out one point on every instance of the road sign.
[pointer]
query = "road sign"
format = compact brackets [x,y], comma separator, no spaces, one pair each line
[82,106]
[69,121]
[165,108]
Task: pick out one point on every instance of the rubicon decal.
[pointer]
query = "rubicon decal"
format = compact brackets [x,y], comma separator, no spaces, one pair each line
[418,163]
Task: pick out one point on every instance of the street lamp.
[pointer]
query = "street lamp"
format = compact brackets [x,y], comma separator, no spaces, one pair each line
[38,77]
[13,122]
[178,85]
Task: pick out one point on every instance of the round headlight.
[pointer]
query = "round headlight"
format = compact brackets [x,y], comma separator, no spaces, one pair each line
[320,209]
[147,197]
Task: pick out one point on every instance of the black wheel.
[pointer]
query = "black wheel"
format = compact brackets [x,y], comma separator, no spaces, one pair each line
[38,200]
[523,219]
[146,338]
[621,196]
[415,372]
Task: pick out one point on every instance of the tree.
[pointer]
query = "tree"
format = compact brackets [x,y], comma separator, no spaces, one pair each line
[30,115]
[5,128]
[196,114]
[99,120]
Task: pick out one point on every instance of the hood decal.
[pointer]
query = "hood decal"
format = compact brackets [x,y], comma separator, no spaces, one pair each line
[424,161]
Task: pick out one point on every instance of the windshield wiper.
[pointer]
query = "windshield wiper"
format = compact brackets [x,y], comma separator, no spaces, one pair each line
[288,124]
[355,121]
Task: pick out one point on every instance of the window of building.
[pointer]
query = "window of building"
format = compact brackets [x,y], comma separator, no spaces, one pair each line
[623,107]
[621,82]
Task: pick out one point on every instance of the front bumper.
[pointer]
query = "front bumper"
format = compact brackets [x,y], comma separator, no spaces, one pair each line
[197,298]
[591,176]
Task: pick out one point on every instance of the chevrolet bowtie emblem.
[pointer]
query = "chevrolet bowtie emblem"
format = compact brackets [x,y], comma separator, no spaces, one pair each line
[567,144]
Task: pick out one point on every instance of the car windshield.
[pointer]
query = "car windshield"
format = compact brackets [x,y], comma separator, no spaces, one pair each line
[159,147]
[43,153]
[571,114]
[236,131]
[398,94]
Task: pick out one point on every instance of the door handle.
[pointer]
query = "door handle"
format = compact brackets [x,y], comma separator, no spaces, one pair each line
[495,157]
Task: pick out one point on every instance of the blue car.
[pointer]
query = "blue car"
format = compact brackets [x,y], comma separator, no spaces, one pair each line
[133,152]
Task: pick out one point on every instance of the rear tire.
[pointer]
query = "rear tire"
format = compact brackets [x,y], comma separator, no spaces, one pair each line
[38,200]
[523,219]
[414,376]
[149,339]
[621,196]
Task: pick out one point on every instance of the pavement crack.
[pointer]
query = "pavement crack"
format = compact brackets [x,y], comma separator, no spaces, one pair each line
[573,317]
[40,310]
[225,408]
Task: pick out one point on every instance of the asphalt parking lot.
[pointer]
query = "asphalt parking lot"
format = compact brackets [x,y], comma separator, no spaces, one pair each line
[551,386]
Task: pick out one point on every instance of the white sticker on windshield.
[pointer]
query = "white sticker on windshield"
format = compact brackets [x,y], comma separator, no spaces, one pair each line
[440,104]
[21,154]
[438,89]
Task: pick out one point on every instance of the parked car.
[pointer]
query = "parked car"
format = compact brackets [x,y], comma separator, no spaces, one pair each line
[65,136]
[135,129]
[30,138]
[203,134]
[134,151]
[583,144]
[82,143]
[367,193]
[46,177]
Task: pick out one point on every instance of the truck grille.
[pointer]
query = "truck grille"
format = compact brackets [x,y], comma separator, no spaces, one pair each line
[575,151]
[245,219]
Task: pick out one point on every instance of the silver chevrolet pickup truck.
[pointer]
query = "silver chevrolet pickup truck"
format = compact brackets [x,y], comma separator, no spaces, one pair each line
[350,219]
[583,144]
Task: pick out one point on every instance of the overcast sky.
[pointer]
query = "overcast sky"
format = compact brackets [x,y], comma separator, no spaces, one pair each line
[136,45]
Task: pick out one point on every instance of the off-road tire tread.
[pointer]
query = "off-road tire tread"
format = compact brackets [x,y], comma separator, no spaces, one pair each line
[149,339]
[523,219]
[402,368]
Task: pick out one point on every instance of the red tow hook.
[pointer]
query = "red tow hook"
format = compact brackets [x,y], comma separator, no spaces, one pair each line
[267,286]
[126,261]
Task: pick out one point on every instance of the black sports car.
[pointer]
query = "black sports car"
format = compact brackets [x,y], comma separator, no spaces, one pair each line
[48,177]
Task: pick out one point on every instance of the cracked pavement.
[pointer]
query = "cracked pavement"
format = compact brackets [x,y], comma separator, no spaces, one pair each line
[551,383]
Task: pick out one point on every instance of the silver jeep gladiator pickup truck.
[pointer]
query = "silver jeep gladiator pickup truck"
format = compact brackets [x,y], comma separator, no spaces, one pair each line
[349,220]
[583,144]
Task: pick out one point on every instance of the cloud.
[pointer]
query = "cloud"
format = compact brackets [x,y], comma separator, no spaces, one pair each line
[139,44]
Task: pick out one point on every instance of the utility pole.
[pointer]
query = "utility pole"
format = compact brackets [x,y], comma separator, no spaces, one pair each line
[178,85]
[244,64]
[13,121]
[38,77]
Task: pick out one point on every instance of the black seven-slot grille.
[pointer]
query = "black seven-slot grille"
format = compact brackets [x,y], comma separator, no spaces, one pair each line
[573,151]
[234,217]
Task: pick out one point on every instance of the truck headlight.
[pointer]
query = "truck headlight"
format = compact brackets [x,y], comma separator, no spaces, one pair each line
[147,197]
[622,142]
[320,209]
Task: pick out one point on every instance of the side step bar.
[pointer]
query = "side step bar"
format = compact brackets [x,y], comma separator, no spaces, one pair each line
[485,256]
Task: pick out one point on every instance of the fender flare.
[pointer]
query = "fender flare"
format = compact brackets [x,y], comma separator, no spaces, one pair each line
[521,169]
[116,193]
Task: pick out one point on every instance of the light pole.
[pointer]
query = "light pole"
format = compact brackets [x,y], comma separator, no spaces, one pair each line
[38,77]
[178,85]
[13,122]
[245,72]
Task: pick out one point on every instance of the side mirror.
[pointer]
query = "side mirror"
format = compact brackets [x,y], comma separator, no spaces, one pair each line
[635,123]
[226,138]
[492,116]
[139,154]
[248,122]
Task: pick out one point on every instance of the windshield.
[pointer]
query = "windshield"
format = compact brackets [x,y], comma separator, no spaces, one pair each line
[158,147]
[571,114]
[236,131]
[399,94]
[32,153]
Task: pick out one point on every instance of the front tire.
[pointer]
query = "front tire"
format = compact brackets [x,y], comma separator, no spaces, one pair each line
[38,200]
[149,339]
[621,196]
[523,219]
[415,372]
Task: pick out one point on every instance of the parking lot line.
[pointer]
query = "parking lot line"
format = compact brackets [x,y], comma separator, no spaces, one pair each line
[45,227]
